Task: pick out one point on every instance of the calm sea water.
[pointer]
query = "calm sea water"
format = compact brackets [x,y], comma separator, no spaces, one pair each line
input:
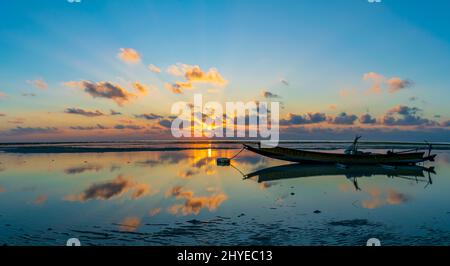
[178,197]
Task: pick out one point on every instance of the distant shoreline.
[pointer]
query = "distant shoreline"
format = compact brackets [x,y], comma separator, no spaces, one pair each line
[143,146]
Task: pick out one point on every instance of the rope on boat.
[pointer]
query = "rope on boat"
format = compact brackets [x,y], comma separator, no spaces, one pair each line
[243,148]
[243,175]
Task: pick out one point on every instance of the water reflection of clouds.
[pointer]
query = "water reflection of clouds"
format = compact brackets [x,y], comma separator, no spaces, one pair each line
[194,204]
[130,224]
[164,158]
[83,168]
[41,199]
[113,189]
[380,198]
[154,212]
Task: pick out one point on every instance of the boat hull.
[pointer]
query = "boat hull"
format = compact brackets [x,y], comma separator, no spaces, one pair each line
[302,156]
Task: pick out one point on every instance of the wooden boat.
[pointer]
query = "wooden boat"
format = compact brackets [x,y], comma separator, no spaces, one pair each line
[312,170]
[351,157]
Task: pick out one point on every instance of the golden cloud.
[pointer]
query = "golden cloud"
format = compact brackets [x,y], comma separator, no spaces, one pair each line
[193,74]
[129,55]
[142,88]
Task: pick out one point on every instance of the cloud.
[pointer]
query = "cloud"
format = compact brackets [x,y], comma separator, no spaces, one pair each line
[347,92]
[154,68]
[403,115]
[2,95]
[396,84]
[98,126]
[129,55]
[112,189]
[178,69]
[2,115]
[103,89]
[142,88]
[194,204]
[377,80]
[17,120]
[28,94]
[367,119]
[343,119]
[112,112]
[150,116]
[177,87]
[79,111]
[33,130]
[269,95]
[165,123]
[193,74]
[196,74]
[309,118]
[132,127]
[284,82]
[39,83]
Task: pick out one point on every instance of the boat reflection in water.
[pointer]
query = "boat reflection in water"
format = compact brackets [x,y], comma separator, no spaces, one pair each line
[416,173]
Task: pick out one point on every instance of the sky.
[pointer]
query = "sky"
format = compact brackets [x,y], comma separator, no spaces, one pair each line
[111,69]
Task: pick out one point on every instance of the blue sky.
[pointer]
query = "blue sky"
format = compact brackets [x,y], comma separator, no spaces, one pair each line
[322,49]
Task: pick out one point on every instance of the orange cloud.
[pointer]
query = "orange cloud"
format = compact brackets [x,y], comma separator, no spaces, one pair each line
[377,81]
[178,87]
[39,83]
[142,88]
[129,55]
[396,84]
[154,68]
[193,74]
[196,74]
